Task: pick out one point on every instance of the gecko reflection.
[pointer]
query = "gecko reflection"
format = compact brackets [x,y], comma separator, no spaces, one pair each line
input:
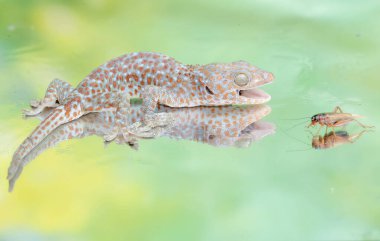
[217,126]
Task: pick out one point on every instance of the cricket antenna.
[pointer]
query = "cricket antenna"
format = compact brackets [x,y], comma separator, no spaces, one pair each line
[301,141]
[300,150]
[302,118]
[303,122]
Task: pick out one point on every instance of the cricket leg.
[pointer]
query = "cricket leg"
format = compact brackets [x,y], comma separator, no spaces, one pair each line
[337,109]
[362,125]
[333,130]
[355,137]
[319,130]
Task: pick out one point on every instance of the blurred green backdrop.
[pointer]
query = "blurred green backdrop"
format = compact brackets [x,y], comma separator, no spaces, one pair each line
[324,53]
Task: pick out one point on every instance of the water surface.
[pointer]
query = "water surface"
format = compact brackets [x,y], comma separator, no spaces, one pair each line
[323,54]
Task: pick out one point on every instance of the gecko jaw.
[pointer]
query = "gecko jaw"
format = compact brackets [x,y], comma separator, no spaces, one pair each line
[254,93]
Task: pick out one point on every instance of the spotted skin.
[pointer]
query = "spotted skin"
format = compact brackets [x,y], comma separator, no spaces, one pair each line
[217,126]
[155,78]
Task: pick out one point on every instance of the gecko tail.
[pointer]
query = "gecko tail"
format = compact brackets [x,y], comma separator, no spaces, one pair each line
[61,115]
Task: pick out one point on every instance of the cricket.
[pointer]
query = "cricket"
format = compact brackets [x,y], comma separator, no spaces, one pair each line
[336,118]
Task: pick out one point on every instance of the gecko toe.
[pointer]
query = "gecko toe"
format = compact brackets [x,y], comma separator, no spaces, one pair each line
[154,125]
[133,144]
[147,131]
[110,137]
[32,112]
[35,103]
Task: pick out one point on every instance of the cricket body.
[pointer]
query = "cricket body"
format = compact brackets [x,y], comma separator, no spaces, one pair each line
[334,119]
[334,139]
[154,77]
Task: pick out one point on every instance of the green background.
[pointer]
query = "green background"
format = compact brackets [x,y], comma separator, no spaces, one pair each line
[323,53]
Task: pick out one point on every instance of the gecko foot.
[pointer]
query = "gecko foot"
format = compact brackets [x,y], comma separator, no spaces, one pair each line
[35,103]
[153,125]
[36,108]
[110,136]
[132,142]
[119,137]
[31,112]
[145,131]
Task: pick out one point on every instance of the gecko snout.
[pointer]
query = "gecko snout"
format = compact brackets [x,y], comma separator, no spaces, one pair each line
[268,76]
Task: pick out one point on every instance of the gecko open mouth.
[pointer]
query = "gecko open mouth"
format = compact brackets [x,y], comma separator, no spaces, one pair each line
[253,93]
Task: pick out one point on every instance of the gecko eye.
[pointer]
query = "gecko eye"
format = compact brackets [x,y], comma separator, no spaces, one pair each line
[57,102]
[241,79]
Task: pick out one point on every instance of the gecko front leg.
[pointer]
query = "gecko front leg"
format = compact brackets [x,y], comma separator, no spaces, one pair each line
[120,102]
[122,110]
[55,94]
[153,123]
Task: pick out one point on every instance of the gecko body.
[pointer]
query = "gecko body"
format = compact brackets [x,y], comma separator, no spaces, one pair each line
[154,77]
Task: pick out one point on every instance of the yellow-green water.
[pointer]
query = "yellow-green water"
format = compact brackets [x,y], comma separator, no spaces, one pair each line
[323,54]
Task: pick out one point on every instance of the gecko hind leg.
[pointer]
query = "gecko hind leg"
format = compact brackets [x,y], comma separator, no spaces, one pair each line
[56,93]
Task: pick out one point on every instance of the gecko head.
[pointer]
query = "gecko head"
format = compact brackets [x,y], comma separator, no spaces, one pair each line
[237,82]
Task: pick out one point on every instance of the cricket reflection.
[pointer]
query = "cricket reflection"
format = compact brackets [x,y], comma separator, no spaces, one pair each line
[334,139]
